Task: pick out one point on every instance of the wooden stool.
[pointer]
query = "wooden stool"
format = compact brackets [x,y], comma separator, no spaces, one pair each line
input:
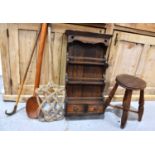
[130,83]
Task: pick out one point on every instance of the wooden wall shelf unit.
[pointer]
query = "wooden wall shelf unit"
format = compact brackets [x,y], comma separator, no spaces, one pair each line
[85,69]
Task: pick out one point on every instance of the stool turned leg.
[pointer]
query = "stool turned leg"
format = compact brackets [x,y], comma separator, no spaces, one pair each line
[126,105]
[141,105]
[108,100]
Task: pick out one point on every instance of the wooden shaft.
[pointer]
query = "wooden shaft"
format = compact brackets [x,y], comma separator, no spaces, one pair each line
[119,107]
[126,106]
[111,95]
[84,98]
[141,105]
[40,55]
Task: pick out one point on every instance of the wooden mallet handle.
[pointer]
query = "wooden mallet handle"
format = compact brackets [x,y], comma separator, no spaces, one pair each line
[40,55]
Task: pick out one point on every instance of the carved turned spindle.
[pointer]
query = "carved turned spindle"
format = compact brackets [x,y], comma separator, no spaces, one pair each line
[126,106]
[141,105]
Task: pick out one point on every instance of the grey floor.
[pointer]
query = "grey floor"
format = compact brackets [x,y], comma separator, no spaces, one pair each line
[108,122]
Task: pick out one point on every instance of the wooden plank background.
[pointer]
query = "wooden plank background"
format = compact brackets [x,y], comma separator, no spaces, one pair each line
[132,54]
[129,52]
[16,46]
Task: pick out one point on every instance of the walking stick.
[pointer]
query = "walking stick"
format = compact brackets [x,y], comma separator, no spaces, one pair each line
[24,78]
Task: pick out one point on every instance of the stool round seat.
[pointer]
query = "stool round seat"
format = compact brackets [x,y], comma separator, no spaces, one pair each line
[130,82]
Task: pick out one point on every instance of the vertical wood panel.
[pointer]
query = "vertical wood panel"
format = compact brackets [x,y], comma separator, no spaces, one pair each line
[63,60]
[148,71]
[50,58]
[26,44]
[124,59]
[14,56]
[143,61]
[5,59]
[57,49]
[132,54]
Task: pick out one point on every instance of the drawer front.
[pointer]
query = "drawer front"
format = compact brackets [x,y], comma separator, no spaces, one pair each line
[75,108]
[95,108]
[84,109]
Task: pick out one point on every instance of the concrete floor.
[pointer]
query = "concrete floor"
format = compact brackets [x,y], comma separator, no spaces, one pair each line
[108,122]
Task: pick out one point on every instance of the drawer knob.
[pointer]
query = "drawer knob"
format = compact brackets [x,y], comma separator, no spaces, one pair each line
[94,108]
[75,108]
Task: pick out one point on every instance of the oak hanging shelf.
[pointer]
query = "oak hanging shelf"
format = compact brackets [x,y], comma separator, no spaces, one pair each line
[86,66]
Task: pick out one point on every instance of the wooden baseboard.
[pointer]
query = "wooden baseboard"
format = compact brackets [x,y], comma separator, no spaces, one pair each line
[134,97]
[12,98]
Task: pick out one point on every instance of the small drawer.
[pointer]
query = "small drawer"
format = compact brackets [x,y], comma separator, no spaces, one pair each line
[75,108]
[95,108]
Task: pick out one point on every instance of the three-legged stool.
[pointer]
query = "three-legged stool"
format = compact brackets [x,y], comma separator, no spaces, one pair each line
[130,83]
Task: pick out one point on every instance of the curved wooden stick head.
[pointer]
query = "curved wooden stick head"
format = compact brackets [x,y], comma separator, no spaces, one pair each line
[11,113]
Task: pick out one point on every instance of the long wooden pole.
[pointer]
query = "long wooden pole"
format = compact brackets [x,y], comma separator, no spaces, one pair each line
[40,55]
[32,103]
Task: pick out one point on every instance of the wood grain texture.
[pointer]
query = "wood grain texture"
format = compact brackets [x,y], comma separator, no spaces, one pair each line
[61,28]
[29,26]
[63,60]
[128,56]
[135,38]
[130,82]
[139,26]
[126,106]
[45,69]
[115,98]
[5,59]
[42,40]
[14,56]
[26,43]
[57,50]
[50,54]
[109,28]
[23,98]
[139,49]
[143,60]
[141,105]
[124,58]
[146,71]
[86,65]
[110,97]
